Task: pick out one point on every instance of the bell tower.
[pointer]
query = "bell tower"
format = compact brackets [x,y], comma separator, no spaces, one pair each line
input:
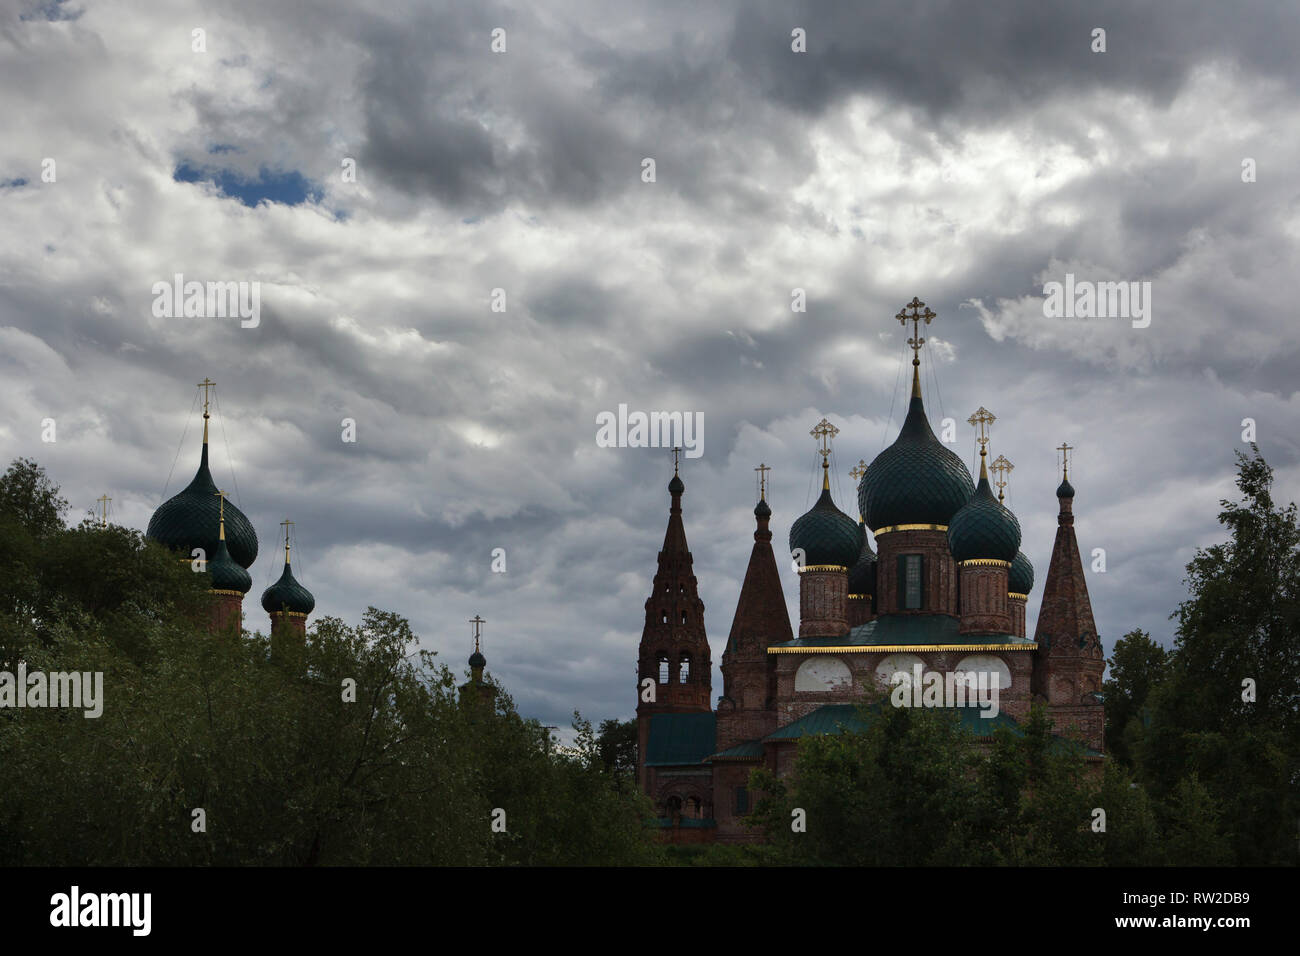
[674,668]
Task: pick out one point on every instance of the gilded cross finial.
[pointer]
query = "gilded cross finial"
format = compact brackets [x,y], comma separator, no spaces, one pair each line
[916,318]
[1065,450]
[286,524]
[478,623]
[858,470]
[222,496]
[207,385]
[103,501]
[981,420]
[676,457]
[824,431]
[762,470]
[1001,467]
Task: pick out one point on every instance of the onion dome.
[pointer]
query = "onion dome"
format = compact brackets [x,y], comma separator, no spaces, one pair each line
[676,486]
[983,528]
[761,510]
[862,575]
[185,522]
[287,594]
[477,660]
[825,534]
[916,480]
[1065,489]
[226,574]
[1021,578]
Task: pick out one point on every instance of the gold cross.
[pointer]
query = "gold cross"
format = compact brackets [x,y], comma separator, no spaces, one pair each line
[1065,450]
[762,470]
[858,470]
[981,420]
[824,431]
[104,500]
[207,385]
[917,316]
[1001,467]
[676,453]
[478,623]
[286,524]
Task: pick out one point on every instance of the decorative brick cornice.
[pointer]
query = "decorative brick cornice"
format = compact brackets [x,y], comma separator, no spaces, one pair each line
[984,563]
[890,648]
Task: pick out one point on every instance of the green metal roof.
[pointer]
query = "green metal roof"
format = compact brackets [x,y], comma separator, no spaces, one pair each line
[189,520]
[678,740]
[983,528]
[750,749]
[1020,579]
[826,535]
[837,718]
[894,629]
[287,594]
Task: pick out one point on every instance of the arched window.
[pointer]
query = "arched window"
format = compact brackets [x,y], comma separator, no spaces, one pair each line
[665,618]
[683,617]
[693,808]
[663,668]
[673,807]
[683,668]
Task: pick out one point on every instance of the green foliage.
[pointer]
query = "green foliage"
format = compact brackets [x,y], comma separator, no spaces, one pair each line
[286,770]
[1136,665]
[1241,621]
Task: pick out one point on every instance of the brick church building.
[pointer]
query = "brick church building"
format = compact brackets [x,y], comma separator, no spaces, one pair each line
[944,590]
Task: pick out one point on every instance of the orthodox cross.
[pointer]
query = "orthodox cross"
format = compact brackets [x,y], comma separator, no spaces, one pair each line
[676,453]
[824,431]
[981,420]
[858,470]
[916,318]
[478,623]
[1001,467]
[1065,450]
[103,502]
[207,385]
[762,470]
[222,496]
[286,524]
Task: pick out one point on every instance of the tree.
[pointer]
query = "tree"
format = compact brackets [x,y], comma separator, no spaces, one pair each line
[1135,666]
[1229,711]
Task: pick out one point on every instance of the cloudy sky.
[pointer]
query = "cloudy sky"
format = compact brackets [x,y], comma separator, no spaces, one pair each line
[963,153]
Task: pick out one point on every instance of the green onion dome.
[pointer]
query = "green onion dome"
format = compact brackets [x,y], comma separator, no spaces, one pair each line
[983,528]
[676,486]
[287,594]
[862,576]
[190,519]
[761,510]
[1021,578]
[226,574]
[826,534]
[916,480]
[477,660]
[1065,489]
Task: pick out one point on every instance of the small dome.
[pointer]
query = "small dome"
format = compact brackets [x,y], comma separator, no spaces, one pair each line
[1021,578]
[761,510]
[826,534]
[287,594]
[916,480]
[189,520]
[1065,490]
[862,576]
[477,660]
[676,487]
[983,528]
[226,574]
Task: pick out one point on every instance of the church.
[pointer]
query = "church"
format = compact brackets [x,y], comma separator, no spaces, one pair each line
[943,591]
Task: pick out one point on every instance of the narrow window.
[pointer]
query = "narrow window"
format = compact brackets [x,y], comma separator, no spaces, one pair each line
[911,593]
[663,668]
[684,668]
[742,801]
[683,617]
[665,618]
